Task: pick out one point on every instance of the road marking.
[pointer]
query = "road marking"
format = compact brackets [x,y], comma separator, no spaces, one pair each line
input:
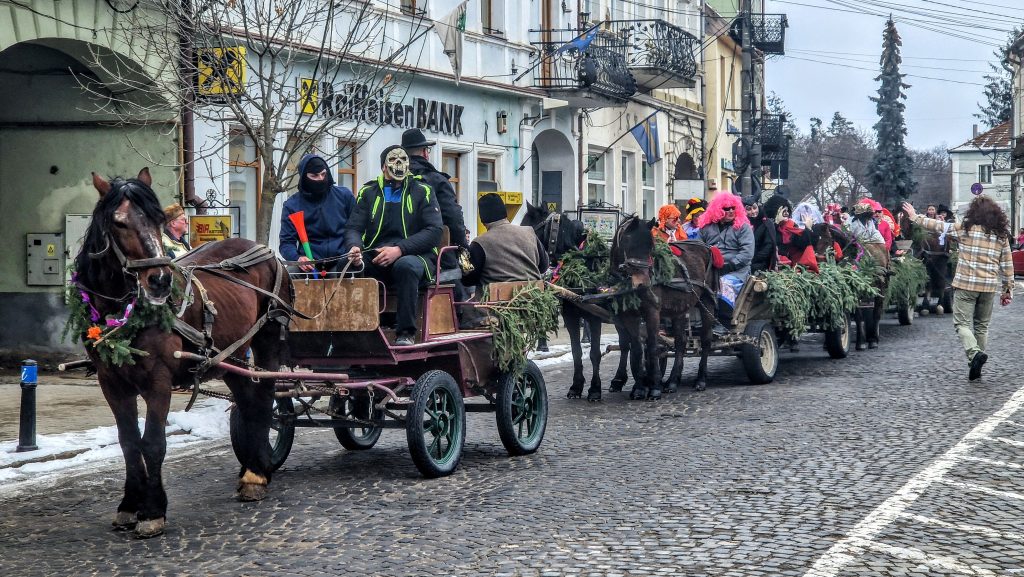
[844,551]
[1015,424]
[918,556]
[1007,441]
[966,528]
[993,462]
[982,489]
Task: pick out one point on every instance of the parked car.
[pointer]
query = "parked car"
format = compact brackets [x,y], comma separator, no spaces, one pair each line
[1018,263]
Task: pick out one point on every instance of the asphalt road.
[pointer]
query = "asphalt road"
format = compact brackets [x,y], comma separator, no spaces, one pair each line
[886,463]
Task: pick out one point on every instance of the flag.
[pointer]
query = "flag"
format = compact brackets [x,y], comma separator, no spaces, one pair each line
[646,134]
[451,29]
[581,43]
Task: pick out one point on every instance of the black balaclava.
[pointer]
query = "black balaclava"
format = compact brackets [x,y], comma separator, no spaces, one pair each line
[312,188]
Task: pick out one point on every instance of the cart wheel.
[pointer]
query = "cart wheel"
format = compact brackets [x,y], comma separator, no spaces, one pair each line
[906,314]
[522,412]
[761,360]
[282,432]
[837,341]
[356,438]
[435,424]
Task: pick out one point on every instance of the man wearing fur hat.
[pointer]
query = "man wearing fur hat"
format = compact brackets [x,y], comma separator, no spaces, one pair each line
[505,252]
[397,222]
[176,224]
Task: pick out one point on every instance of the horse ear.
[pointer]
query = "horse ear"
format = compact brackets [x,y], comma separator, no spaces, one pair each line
[102,186]
[144,177]
[653,223]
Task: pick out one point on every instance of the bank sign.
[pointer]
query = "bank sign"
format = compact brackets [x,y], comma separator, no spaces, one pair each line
[354,102]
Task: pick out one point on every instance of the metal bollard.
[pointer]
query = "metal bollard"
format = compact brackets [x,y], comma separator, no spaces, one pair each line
[27,428]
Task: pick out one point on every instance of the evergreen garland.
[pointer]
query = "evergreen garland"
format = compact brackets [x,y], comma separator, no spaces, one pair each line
[113,344]
[517,324]
[797,297]
[576,266]
[907,281]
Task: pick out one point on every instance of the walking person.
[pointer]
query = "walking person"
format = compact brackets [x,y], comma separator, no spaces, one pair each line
[984,267]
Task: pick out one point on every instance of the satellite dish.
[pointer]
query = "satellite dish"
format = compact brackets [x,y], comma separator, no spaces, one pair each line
[977,188]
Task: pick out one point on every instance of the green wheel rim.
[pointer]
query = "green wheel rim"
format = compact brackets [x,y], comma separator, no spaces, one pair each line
[527,408]
[442,427]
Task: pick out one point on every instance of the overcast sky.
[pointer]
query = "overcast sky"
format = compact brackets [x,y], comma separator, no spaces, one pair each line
[844,41]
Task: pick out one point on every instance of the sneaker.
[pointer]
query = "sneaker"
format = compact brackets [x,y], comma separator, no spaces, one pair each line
[976,363]
[404,341]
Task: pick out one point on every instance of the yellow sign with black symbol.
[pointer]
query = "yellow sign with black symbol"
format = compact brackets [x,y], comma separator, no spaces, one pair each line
[221,71]
[513,202]
[208,228]
[51,250]
[308,96]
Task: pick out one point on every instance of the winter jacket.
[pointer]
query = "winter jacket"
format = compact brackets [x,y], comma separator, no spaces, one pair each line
[764,246]
[451,212]
[325,219]
[421,218]
[737,246]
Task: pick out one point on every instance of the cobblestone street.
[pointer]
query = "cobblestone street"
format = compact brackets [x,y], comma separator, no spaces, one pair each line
[887,463]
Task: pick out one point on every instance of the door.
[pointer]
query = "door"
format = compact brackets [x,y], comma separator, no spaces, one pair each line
[551,190]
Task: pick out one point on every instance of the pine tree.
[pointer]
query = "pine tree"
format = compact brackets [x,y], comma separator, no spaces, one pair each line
[999,90]
[891,170]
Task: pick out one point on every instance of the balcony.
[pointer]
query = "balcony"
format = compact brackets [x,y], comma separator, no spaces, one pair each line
[768,32]
[659,54]
[589,75]
[771,133]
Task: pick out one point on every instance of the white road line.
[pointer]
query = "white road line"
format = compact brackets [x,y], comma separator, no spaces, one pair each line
[982,489]
[1014,423]
[966,528]
[1007,441]
[846,549]
[993,462]
[918,556]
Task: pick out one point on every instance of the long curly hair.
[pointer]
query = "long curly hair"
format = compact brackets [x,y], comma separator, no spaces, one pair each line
[716,211]
[984,212]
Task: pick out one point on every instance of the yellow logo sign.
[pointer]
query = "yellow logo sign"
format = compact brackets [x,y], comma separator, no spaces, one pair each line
[208,228]
[552,207]
[51,249]
[221,70]
[308,96]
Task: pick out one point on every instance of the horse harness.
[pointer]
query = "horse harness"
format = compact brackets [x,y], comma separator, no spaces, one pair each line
[550,227]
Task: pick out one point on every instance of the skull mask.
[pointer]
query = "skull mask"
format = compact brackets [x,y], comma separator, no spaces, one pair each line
[397,163]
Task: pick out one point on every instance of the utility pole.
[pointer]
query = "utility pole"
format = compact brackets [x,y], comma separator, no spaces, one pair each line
[752,148]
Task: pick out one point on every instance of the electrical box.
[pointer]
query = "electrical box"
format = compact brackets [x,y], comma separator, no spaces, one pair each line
[44,259]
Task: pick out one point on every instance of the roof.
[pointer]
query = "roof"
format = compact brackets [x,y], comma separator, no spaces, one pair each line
[997,137]
[838,179]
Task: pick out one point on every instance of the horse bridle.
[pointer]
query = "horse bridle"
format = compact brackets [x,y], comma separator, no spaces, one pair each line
[550,227]
[130,265]
[628,264]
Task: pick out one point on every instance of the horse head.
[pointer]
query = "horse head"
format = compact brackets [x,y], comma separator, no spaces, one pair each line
[830,235]
[126,233]
[556,231]
[632,250]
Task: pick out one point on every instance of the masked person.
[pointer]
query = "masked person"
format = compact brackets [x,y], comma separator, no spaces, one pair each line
[795,243]
[176,224]
[765,257]
[506,252]
[397,221]
[325,210]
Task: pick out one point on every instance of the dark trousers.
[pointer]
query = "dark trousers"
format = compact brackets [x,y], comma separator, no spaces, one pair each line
[404,279]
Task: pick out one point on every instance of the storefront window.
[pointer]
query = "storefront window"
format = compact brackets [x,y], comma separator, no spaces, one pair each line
[596,179]
[244,182]
[347,163]
[450,164]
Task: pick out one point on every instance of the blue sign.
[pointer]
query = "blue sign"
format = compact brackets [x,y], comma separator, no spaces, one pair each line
[28,373]
[977,188]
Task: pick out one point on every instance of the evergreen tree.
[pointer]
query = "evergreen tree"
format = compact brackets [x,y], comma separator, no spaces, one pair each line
[999,90]
[891,172]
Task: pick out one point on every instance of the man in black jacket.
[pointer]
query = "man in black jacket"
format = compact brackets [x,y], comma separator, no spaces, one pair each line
[418,149]
[396,220]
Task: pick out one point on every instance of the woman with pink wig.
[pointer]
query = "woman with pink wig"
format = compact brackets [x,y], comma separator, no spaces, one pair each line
[724,226]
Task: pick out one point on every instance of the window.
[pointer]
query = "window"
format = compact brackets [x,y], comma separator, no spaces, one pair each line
[450,162]
[985,173]
[626,179]
[491,13]
[347,165]
[596,179]
[647,176]
[411,7]
[244,182]
[486,173]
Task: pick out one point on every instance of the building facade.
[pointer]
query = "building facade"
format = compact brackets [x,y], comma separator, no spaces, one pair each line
[983,162]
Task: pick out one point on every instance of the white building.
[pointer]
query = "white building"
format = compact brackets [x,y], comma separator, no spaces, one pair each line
[982,162]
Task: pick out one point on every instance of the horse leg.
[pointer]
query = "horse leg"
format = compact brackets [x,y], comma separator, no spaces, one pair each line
[571,317]
[619,380]
[675,377]
[653,377]
[859,321]
[126,416]
[636,357]
[255,403]
[594,394]
[153,512]
[706,334]
[875,322]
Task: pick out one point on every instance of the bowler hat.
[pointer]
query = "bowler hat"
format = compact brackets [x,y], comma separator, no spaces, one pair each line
[413,138]
[491,208]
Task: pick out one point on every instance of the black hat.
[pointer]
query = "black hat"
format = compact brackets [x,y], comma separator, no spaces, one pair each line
[413,138]
[773,204]
[750,200]
[492,208]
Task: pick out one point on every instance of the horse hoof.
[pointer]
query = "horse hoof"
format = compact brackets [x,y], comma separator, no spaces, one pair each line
[654,395]
[860,347]
[616,386]
[150,528]
[669,389]
[125,521]
[638,393]
[573,394]
[248,492]
[872,345]
[594,396]
[939,310]
[700,386]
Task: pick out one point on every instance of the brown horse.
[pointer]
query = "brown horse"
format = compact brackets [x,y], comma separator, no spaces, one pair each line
[632,255]
[935,252]
[122,261]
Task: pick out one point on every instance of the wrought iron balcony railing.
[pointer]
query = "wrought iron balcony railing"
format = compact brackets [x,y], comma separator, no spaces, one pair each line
[588,69]
[768,32]
[1002,161]
[659,54]
[771,132]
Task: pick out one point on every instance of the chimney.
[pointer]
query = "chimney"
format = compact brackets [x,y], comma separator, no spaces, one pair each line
[975,128]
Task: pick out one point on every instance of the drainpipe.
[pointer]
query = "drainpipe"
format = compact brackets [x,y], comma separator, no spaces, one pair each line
[188,145]
[579,162]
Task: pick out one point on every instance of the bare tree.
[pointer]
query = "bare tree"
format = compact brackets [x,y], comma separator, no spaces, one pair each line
[286,74]
[829,164]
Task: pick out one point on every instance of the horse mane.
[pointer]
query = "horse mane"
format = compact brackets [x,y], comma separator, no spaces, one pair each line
[97,239]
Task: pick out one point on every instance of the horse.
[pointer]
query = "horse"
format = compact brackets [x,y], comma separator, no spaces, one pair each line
[935,255]
[121,265]
[694,284]
[559,234]
[868,315]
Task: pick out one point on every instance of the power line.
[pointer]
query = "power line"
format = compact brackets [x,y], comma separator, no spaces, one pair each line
[788,49]
[841,65]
